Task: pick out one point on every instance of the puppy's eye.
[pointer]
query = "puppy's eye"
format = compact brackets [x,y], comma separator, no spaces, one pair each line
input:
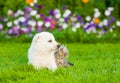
[50,41]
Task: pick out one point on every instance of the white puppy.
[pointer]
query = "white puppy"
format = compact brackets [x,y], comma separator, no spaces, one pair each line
[41,51]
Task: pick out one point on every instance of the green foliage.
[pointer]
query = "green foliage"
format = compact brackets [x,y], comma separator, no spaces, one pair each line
[92,63]
[69,37]
[82,37]
[76,6]
[11,4]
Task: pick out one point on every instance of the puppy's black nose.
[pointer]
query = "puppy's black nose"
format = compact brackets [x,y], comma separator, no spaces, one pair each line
[58,46]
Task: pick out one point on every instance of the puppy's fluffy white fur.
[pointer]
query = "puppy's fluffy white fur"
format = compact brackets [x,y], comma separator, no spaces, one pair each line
[41,51]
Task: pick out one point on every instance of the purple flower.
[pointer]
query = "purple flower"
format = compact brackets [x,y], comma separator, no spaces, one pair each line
[29,28]
[82,23]
[46,19]
[23,23]
[89,26]
[36,5]
[24,30]
[28,9]
[26,16]
[42,15]
[112,19]
[16,33]
[79,18]
[39,28]
[101,27]
[52,13]
[10,32]
[66,19]
[109,23]
[15,30]
[64,8]
[40,6]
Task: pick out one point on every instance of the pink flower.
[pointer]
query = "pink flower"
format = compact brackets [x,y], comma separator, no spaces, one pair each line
[1,26]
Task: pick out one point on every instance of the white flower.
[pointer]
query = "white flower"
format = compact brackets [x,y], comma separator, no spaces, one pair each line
[77,25]
[40,23]
[91,30]
[37,16]
[22,19]
[118,23]
[67,13]
[31,4]
[56,11]
[35,1]
[33,12]
[24,29]
[107,13]
[60,24]
[58,15]
[16,22]
[96,10]
[88,18]
[74,29]
[100,24]
[29,22]
[10,12]
[32,23]
[16,14]
[9,24]
[88,31]
[65,26]
[74,19]
[110,8]
[1,26]
[97,14]
[61,20]
[105,22]
[20,12]
[47,24]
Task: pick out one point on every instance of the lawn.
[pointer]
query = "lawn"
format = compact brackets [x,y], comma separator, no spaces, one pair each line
[93,63]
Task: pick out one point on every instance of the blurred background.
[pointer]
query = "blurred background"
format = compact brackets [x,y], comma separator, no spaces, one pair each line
[85,21]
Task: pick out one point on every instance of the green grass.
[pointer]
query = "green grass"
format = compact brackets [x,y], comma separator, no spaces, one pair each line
[93,63]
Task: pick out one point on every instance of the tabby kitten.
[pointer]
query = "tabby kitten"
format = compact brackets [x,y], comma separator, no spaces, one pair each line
[60,57]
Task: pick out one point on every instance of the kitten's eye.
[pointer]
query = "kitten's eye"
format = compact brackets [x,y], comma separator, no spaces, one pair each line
[50,41]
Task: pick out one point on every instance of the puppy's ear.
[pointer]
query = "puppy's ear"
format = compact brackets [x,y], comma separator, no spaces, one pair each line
[37,38]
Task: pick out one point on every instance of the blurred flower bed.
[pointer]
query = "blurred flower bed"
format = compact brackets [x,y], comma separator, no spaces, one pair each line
[33,18]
